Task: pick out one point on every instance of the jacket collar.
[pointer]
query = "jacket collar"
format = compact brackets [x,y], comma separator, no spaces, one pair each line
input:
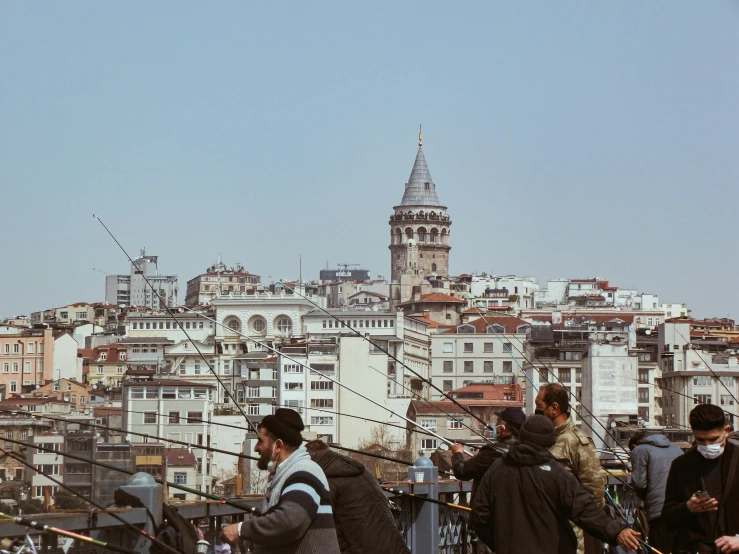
[569,424]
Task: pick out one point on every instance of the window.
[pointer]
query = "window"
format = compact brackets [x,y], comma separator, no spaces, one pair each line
[448,366]
[702,399]
[174,417]
[169,392]
[15,367]
[454,424]
[468,367]
[6,367]
[180,478]
[564,375]
[284,325]
[194,417]
[321,385]
[428,444]
[150,417]
[543,376]
[448,348]
[702,381]
[428,423]
[578,376]
[40,367]
[487,366]
[7,349]
[322,420]
[24,435]
[468,347]
[507,367]
[100,370]
[293,386]
[644,375]
[29,348]
[252,409]
[13,386]
[252,392]
[727,400]
[447,386]
[293,368]
[104,356]
[508,347]
[488,347]
[16,348]
[322,403]
[136,393]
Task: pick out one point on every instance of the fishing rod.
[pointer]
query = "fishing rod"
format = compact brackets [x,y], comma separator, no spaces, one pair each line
[25,522]
[221,499]
[296,408]
[271,349]
[626,521]
[147,435]
[399,492]
[381,457]
[357,333]
[431,403]
[163,301]
[129,526]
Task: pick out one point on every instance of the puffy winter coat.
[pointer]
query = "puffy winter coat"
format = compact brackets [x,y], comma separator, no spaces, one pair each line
[474,468]
[526,500]
[651,461]
[364,522]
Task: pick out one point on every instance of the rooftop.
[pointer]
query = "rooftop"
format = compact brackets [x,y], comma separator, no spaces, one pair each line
[180,457]
[420,189]
[433,298]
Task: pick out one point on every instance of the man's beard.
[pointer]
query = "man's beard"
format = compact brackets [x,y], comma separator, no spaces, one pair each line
[264,459]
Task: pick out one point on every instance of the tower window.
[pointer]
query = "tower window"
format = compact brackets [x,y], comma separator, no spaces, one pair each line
[433,267]
[427,185]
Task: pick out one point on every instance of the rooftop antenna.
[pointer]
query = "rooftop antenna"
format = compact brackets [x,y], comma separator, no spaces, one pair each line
[420,136]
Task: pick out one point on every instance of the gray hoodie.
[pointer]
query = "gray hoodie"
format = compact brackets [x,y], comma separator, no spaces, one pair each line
[651,461]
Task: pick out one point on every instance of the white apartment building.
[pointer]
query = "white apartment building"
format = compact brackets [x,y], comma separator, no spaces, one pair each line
[483,350]
[491,290]
[695,374]
[49,463]
[175,409]
[132,289]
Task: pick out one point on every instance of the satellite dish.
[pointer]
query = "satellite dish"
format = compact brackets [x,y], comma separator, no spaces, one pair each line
[648,332]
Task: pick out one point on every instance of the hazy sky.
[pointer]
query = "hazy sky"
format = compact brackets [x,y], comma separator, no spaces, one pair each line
[567,139]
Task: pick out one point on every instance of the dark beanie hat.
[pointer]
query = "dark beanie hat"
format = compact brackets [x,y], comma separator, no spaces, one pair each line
[538,430]
[286,425]
[513,416]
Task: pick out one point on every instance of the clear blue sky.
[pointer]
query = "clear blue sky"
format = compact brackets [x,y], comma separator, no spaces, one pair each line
[567,139]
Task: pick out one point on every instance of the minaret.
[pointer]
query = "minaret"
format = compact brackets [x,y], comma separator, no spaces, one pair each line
[421,218]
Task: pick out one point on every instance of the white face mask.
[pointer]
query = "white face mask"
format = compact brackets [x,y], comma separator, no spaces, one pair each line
[711,451]
[272,465]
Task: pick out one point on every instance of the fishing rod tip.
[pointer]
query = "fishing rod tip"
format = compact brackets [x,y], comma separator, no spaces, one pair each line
[94,216]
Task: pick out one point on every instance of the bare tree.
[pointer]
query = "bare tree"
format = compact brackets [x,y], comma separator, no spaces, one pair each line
[382,442]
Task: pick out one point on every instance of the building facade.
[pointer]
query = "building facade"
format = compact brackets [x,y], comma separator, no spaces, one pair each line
[202,289]
[132,289]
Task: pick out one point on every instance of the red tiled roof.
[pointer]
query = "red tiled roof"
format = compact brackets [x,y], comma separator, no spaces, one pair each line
[106,411]
[180,457]
[509,323]
[436,407]
[430,323]
[434,298]
[482,310]
[368,292]
[490,391]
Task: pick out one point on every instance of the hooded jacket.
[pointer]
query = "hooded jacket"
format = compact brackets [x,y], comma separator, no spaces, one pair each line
[474,468]
[526,500]
[364,522]
[651,461]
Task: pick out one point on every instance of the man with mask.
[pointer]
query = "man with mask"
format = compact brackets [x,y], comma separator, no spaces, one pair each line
[702,494]
[296,517]
[505,433]
[573,449]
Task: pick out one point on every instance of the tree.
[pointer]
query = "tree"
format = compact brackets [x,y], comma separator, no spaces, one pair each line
[64,500]
[382,442]
[29,507]
[514,298]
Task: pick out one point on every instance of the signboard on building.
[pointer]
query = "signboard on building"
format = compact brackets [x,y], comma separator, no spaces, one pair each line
[329,275]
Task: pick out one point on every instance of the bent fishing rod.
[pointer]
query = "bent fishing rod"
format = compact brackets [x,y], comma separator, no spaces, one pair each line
[163,301]
[190,445]
[221,499]
[336,381]
[423,379]
[129,526]
[27,522]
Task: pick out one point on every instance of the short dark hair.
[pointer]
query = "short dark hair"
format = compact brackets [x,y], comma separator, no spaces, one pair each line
[636,439]
[559,394]
[316,448]
[707,417]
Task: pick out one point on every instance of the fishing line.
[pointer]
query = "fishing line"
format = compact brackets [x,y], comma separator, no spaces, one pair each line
[171,314]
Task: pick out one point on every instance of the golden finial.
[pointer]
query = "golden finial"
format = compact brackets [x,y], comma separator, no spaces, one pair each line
[420,137]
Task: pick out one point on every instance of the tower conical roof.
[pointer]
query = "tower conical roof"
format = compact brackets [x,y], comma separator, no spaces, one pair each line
[420,190]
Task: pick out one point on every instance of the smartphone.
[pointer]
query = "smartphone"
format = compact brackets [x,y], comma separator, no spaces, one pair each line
[702,495]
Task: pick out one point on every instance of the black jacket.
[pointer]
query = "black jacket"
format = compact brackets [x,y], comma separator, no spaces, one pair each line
[687,476]
[474,468]
[525,503]
[364,522]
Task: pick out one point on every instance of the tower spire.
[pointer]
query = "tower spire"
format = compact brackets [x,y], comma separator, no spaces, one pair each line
[420,136]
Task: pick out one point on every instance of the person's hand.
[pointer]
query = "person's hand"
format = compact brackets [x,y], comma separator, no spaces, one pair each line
[456,448]
[627,540]
[230,534]
[700,505]
[727,544]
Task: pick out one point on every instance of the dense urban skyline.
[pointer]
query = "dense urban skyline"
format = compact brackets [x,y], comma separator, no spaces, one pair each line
[567,141]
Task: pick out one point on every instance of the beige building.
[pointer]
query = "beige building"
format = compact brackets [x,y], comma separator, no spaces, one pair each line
[26,358]
[202,289]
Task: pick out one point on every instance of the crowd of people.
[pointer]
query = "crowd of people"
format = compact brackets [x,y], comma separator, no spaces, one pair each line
[539,488]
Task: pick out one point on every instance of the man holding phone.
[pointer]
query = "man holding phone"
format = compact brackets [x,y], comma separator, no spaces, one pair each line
[702,493]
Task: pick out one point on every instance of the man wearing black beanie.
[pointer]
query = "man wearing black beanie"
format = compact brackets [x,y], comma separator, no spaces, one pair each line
[526,501]
[296,516]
